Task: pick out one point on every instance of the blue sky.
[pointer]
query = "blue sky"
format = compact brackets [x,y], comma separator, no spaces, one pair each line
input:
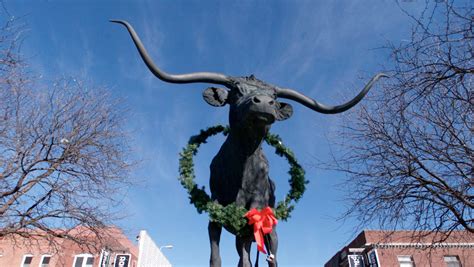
[320,48]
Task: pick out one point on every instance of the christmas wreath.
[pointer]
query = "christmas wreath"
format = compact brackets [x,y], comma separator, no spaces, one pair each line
[232,217]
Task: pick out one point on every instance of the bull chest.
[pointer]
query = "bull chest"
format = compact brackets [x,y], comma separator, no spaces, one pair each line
[241,178]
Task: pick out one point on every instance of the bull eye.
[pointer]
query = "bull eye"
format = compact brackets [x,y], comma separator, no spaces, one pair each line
[272,102]
[256,100]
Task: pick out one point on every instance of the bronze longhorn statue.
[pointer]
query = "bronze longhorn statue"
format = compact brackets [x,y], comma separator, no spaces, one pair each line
[239,171]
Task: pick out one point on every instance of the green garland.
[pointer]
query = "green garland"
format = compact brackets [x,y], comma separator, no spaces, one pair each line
[232,216]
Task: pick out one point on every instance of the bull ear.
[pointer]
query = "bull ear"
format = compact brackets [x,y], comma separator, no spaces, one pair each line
[284,112]
[216,97]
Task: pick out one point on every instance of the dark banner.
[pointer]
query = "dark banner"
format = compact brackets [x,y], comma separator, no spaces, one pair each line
[104,258]
[122,260]
[356,260]
[373,261]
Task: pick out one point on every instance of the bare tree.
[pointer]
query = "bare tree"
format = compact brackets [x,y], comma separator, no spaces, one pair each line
[63,152]
[410,154]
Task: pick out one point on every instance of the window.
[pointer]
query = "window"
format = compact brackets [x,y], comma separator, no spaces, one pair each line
[406,261]
[89,262]
[83,260]
[27,259]
[45,259]
[452,261]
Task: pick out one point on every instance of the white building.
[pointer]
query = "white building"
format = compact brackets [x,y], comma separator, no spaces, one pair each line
[149,254]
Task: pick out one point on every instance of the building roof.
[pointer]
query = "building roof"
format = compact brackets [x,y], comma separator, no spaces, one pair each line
[111,237]
[369,239]
[380,237]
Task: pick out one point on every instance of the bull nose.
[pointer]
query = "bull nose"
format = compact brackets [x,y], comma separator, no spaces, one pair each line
[263,99]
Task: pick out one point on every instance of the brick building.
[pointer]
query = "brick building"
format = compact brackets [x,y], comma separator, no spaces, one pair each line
[400,248]
[115,250]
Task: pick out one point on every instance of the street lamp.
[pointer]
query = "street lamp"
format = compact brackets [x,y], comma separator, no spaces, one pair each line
[166,246]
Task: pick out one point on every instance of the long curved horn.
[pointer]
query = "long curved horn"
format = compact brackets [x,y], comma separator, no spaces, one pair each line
[205,77]
[316,106]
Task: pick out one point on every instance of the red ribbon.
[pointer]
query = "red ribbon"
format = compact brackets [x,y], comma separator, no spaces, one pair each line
[263,222]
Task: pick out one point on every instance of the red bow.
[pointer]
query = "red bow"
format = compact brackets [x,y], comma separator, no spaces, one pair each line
[263,222]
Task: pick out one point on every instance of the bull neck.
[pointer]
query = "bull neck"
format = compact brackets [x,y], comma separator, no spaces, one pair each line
[248,140]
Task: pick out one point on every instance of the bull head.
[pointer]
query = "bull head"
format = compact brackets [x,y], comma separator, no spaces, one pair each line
[253,100]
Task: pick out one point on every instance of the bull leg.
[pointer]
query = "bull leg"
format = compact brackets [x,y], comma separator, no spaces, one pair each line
[271,242]
[243,248]
[215,230]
